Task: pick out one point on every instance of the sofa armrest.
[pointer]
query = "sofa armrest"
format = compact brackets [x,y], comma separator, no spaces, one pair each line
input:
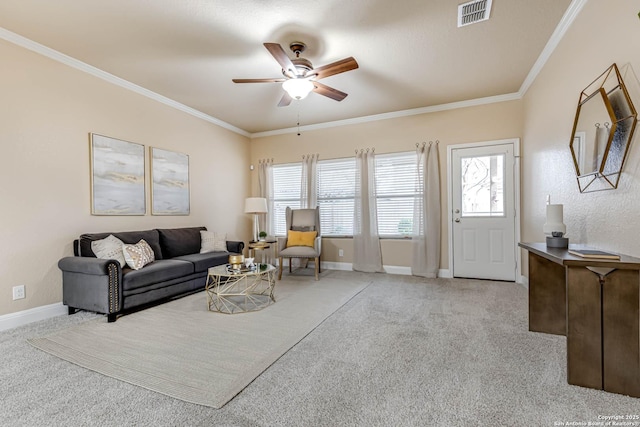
[86,265]
[91,284]
[235,247]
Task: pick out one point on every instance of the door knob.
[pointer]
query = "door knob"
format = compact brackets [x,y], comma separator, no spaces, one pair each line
[457,220]
[457,211]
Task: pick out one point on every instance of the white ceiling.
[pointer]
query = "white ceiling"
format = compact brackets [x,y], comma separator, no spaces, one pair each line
[411,53]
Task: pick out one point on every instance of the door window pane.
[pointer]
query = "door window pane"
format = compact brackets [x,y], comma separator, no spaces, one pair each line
[483,186]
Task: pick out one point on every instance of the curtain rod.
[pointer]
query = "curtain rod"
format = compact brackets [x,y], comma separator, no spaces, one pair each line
[362,150]
[430,142]
[349,157]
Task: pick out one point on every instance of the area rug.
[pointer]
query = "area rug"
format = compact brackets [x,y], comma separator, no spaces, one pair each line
[182,350]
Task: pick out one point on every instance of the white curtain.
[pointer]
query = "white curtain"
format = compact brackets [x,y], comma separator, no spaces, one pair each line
[426,213]
[367,256]
[308,188]
[265,187]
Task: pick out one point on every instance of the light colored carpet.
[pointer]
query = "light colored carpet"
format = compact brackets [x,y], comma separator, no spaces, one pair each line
[406,351]
[182,350]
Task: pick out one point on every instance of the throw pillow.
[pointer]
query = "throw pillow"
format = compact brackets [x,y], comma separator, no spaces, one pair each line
[301,238]
[138,255]
[213,242]
[109,248]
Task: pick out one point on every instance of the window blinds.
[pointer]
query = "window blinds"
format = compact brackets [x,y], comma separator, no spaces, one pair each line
[396,178]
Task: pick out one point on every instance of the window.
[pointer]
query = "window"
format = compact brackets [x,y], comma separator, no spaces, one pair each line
[396,178]
[336,191]
[482,186]
[286,192]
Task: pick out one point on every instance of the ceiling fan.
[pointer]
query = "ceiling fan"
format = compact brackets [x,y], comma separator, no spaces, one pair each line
[300,77]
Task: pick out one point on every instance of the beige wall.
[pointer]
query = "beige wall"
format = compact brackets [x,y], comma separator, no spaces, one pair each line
[47,111]
[464,125]
[603,33]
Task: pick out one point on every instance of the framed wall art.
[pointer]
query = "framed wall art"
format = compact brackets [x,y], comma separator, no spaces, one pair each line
[169,182]
[117,177]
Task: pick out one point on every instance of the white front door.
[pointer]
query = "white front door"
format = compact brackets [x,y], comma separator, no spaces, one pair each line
[483,212]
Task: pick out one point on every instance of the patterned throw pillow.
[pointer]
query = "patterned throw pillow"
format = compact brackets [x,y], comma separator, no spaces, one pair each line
[109,248]
[213,242]
[138,255]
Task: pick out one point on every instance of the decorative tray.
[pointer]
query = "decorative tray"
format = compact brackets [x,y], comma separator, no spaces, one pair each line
[242,270]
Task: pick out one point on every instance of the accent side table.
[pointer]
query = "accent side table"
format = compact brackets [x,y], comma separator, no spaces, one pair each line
[595,303]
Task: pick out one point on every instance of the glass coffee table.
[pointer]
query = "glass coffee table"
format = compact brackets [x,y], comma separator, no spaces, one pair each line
[239,291]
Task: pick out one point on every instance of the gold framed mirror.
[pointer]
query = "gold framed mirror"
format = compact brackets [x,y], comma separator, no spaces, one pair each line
[602,132]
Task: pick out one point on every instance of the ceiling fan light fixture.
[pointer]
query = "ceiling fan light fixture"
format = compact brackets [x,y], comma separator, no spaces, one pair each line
[298,88]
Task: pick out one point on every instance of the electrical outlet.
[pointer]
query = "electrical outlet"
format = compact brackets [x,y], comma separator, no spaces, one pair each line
[340,252]
[18,292]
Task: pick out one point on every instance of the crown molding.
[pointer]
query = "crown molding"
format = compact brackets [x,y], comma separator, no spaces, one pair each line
[96,72]
[567,19]
[392,115]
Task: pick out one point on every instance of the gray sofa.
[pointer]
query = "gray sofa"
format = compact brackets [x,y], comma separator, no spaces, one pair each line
[103,286]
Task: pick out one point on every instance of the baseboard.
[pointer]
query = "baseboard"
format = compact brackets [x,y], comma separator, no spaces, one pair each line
[445,274]
[13,320]
[389,269]
[330,265]
[524,281]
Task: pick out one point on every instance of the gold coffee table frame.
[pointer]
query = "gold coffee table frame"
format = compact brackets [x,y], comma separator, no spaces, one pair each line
[239,292]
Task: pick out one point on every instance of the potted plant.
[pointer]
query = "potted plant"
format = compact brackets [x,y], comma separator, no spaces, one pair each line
[262,236]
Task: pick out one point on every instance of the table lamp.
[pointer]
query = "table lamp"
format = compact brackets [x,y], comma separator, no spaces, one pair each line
[255,206]
[554,228]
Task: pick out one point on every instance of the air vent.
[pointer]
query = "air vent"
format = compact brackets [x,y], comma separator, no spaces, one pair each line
[473,12]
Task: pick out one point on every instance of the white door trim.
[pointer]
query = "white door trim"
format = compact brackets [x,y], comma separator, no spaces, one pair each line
[515,142]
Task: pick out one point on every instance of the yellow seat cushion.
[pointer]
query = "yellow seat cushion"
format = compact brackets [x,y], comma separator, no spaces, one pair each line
[301,238]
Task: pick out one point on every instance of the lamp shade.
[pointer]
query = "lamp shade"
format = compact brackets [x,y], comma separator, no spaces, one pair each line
[554,220]
[255,205]
[298,88]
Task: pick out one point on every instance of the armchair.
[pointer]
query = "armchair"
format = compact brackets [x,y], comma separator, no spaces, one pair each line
[301,220]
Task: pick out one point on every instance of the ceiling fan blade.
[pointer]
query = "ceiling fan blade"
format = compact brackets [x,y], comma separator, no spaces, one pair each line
[285,101]
[337,67]
[281,56]
[328,91]
[258,80]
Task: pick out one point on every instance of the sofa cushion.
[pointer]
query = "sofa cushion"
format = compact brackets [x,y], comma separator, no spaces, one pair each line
[202,262]
[130,237]
[176,242]
[298,251]
[156,272]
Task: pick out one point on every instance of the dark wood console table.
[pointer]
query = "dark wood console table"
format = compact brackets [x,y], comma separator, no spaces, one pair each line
[595,303]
